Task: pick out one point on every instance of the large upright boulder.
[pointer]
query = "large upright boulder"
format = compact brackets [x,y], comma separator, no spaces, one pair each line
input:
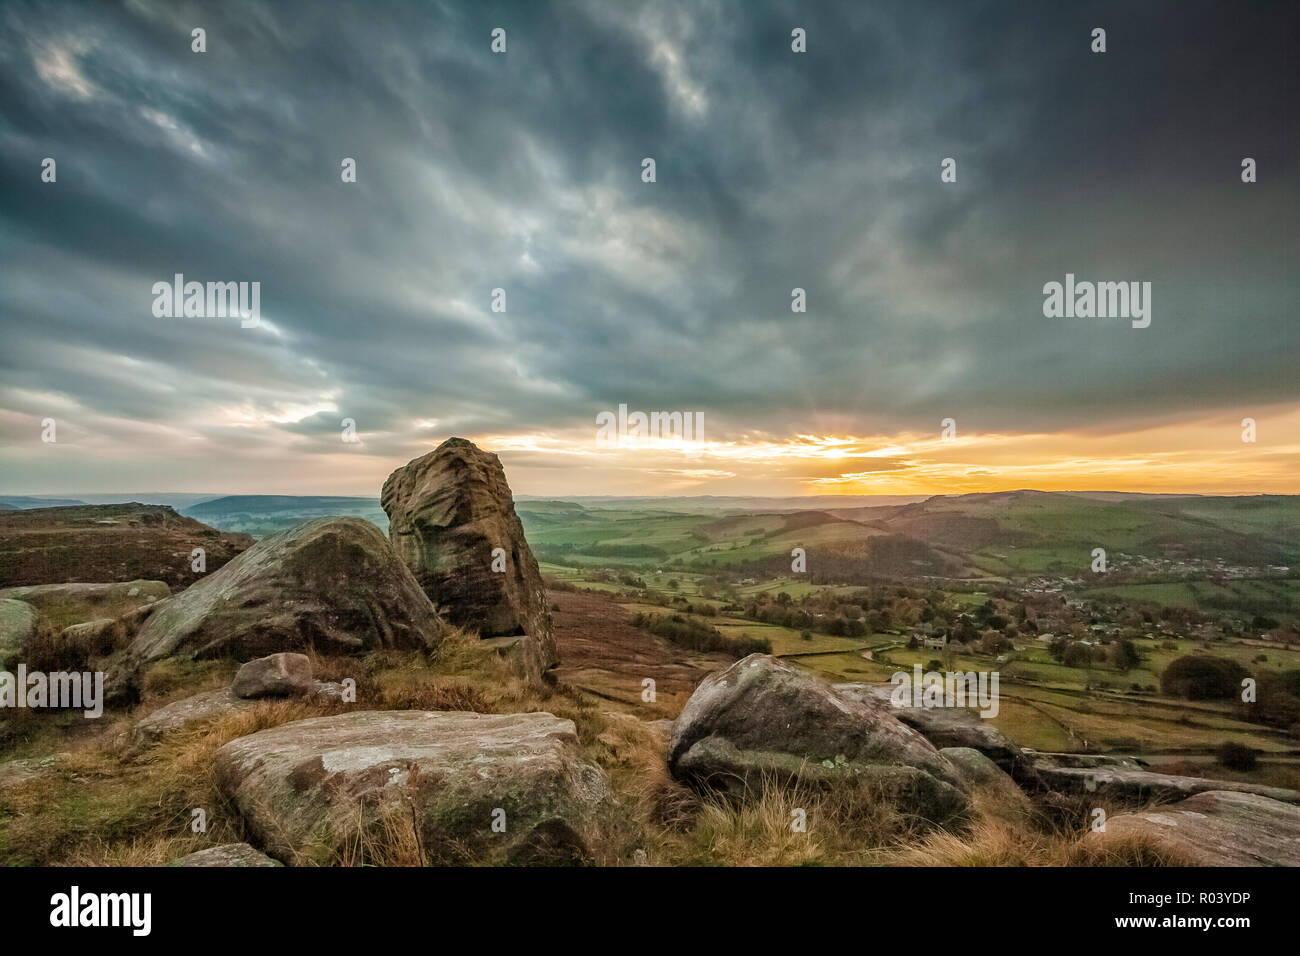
[332,584]
[448,512]
[762,718]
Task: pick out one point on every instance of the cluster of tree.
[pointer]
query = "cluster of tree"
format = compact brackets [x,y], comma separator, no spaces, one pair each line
[698,636]
[1122,654]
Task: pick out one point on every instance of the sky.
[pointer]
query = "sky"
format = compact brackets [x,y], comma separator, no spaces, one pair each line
[774,170]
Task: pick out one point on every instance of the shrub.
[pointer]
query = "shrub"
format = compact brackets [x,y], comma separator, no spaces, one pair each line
[698,636]
[1236,756]
[1202,677]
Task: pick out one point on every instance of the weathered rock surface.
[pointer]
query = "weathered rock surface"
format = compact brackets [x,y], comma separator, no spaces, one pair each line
[228,854]
[947,726]
[18,621]
[111,599]
[328,690]
[97,629]
[119,542]
[1139,786]
[185,713]
[15,773]
[277,675]
[208,705]
[447,513]
[306,789]
[333,584]
[762,716]
[976,768]
[1220,828]
[1050,759]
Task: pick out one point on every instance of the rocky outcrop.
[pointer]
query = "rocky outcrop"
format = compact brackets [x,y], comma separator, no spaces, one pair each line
[976,768]
[1140,786]
[948,727]
[117,542]
[1219,828]
[17,773]
[228,854]
[312,789]
[1047,758]
[448,513]
[762,717]
[277,675]
[18,621]
[99,600]
[332,584]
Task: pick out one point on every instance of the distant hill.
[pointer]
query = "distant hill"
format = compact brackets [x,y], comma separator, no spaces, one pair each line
[985,535]
[260,515]
[269,504]
[721,504]
[27,501]
[100,543]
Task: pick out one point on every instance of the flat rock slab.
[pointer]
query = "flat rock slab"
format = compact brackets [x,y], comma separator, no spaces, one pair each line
[200,708]
[132,592]
[311,789]
[228,854]
[186,713]
[1220,828]
[1131,785]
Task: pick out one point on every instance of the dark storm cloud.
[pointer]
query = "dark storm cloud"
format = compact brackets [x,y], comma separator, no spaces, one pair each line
[522,172]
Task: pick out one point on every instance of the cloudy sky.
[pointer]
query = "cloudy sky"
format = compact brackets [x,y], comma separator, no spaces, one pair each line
[775,170]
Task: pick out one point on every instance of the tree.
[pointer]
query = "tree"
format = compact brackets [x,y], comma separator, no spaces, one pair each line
[1077,655]
[1124,655]
[1202,677]
[1236,756]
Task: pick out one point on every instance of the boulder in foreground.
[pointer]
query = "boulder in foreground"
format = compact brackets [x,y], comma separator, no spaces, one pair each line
[448,512]
[316,789]
[761,716]
[1219,828]
[332,584]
